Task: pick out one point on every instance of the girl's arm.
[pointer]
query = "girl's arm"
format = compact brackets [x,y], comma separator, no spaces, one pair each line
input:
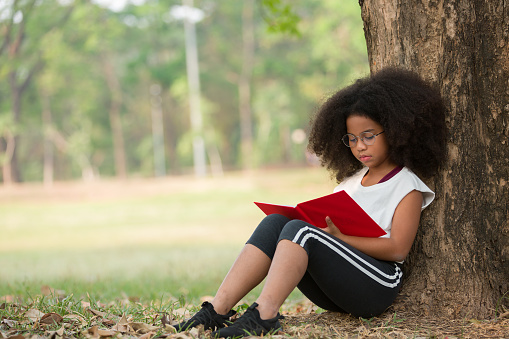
[404,228]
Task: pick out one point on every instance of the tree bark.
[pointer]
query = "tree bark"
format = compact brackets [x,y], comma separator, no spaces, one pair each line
[10,143]
[244,83]
[115,118]
[459,265]
[48,159]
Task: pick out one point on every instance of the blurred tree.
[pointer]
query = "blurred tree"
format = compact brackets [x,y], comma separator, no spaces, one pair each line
[92,91]
[244,84]
[114,113]
[155,54]
[24,23]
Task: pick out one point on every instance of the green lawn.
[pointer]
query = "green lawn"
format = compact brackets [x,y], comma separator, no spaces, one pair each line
[145,238]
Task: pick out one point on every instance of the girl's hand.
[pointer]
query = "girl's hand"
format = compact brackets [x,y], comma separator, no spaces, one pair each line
[331,228]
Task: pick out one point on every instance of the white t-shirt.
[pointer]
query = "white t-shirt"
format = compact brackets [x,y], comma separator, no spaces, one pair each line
[380,200]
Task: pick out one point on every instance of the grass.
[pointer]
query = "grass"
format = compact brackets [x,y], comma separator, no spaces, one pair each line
[142,238]
[110,258]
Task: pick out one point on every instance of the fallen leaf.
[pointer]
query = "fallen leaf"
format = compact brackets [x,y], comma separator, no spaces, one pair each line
[142,328]
[122,325]
[55,334]
[51,318]
[60,332]
[181,336]
[93,331]
[48,291]
[181,312]
[10,323]
[147,335]
[168,319]
[108,322]
[97,313]
[17,336]
[7,298]
[169,329]
[34,315]
[106,333]
[197,331]
[76,318]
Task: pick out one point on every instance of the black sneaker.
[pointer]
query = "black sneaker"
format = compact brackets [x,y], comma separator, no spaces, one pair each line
[207,317]
[249,324]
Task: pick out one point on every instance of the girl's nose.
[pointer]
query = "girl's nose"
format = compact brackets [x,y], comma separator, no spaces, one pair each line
[360,145]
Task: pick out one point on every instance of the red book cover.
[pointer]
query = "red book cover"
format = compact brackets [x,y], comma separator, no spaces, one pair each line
[344,212]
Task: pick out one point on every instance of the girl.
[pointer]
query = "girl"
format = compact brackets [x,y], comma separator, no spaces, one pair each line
[374,136]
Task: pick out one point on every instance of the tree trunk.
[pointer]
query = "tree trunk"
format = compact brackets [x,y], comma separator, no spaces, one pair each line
[246,126]
[48,162]
[459,265]
[10,143]
[115,119]
[246,133]
[11,168]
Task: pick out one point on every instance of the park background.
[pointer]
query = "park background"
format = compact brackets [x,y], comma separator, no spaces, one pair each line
[99,192]
[105,111]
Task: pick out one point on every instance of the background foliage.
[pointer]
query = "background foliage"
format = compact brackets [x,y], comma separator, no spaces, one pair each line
[75,73]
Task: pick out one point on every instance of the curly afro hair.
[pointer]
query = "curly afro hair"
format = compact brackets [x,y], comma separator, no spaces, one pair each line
[411,112]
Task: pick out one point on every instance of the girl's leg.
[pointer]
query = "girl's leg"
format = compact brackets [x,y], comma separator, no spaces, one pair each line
[252,264]
[287,269]
[247,272]
[351,280]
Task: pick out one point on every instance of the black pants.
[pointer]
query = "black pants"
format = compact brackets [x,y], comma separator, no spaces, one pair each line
[338,277]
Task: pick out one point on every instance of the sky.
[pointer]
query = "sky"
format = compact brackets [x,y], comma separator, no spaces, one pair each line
[117,5]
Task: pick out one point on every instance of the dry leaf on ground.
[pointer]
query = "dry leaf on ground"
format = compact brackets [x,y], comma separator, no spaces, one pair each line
[51,318]
[142,328]
[96,332]
[148,335]
[52,334]
[10,323]
[97,313]
[48,291]
[34,315]
[75,319]
[168,319]
[17,336]
[122,325]
[183,312]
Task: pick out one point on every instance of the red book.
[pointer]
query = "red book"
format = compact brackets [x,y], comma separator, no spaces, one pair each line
[344,212]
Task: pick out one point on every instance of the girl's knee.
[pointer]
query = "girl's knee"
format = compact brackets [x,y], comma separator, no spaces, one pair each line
[273,222]
[266,235]
[293,227]
[296,224]
[276,219]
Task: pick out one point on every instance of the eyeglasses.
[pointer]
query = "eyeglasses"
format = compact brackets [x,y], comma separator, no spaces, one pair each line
[367,138]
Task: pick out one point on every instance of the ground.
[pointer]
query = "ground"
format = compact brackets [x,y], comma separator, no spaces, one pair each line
[127,318]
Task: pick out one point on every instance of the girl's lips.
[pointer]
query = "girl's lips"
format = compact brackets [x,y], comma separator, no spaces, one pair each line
[364,158]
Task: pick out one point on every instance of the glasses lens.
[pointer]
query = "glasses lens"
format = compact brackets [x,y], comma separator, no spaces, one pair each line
[349,140]
[367,138]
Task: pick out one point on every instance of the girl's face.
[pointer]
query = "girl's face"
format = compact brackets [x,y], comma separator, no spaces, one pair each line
[376,155]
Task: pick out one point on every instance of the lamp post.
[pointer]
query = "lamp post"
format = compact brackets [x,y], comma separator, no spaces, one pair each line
[190,15]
